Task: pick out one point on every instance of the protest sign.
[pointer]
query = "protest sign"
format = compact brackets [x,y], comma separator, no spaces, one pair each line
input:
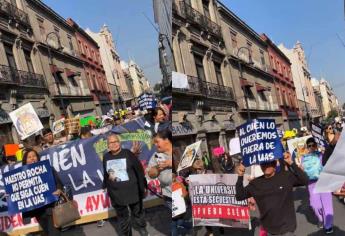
[58,126]
[178,203]
[332,176]
[214,203]
[218,151]
[297,147]
[87,120]
[189,155]
[317,133]
[234,146]
[26,121]
[259,142]
[29,187]
[79,166]
[147,101]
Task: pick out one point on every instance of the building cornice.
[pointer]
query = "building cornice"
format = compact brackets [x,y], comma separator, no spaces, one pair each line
[47,10]
[222,8]
[270,43]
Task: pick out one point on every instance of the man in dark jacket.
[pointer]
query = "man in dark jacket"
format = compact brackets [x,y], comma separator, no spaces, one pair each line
[125,182]
[273,193]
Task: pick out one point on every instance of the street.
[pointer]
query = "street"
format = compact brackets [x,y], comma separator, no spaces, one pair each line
[306,221]
[158,223]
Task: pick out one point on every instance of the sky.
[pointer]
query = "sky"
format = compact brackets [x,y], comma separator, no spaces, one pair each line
[318,24]
[135,38]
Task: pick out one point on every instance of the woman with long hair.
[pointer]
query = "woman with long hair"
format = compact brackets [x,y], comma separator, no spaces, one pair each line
[43,214]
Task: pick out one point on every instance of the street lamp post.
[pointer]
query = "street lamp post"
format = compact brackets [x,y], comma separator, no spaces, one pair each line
[54,71]
[241,75]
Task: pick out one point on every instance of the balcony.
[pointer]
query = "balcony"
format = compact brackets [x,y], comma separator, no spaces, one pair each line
[217,91]
[14,13]
[211,90]
[189,13]
[12,76]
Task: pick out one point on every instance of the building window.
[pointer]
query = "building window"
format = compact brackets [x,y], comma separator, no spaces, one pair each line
[57,31]
[273,64]
[10,56]
[249,46]
[278,67]
[205,4]
[70,43]
[87,53]
[279,97]
[80,46]
[248,92]
[29,64]
[93,54]
[233,36]
[42,29]
[218,73]
[262,57]
[199,68]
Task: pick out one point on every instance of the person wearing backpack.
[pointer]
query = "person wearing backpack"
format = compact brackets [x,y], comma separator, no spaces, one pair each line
[321,203]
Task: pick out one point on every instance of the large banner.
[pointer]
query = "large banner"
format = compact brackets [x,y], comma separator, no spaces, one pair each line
[259,142]
[79,165]
[332,176]
[214,203]
[26,121]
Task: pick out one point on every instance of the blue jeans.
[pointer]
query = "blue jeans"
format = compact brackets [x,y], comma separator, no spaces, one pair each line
[180,227]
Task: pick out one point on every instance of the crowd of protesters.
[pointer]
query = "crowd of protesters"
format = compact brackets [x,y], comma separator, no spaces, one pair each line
[271,185]
[126,194]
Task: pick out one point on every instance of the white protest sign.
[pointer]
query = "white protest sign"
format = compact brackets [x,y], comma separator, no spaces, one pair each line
[234,146]
[26,121]
[178,203]
[189,155]
[332,176]
[297,147]
[58,126]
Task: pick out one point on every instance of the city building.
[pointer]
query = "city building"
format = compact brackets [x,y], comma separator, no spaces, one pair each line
[249,67]
[318,97]
[204,108]
[137,78]
[94,71]
[302,81]
[329,100]
[22,77]
[56,45]
[111,62]
[280,68]
[163,17]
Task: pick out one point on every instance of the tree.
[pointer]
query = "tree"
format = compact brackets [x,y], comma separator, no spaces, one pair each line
[331,115]
[157,87]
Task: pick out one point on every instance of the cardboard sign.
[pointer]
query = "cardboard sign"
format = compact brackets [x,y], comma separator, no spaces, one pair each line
[234,146]
[214,203]
[188,156]
[259,142]
[178,203]
[297,147]
[26,121]
[218,151]
[29,187]
[58,126]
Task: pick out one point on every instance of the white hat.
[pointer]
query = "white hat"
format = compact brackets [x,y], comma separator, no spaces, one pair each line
[304,129]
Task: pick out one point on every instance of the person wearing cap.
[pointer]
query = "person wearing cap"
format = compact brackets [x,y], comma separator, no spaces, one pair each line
[273,194]
[321,203]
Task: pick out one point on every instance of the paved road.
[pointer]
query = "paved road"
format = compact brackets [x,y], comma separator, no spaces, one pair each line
[158,219]
[306,221]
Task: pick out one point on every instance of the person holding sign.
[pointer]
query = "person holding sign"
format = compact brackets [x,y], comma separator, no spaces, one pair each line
[321,203]
[273,193]
[43,214]
[126,184]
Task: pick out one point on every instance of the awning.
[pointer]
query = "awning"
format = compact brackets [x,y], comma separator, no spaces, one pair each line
[246,83]
[260,88]
[55,69]
[70,73]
